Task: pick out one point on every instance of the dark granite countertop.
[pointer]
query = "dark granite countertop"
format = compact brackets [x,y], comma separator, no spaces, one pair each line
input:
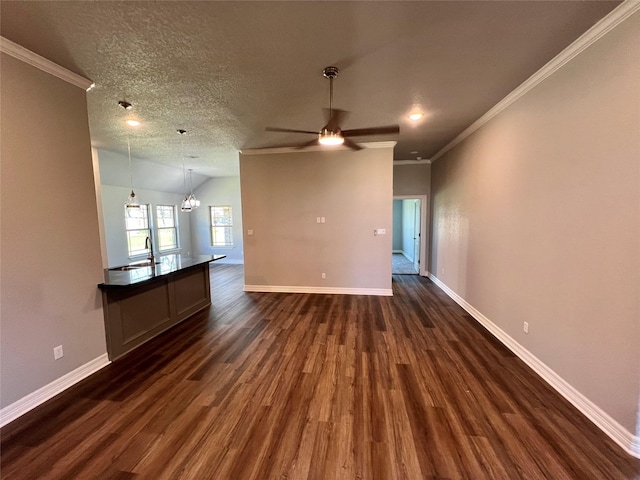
[141,272]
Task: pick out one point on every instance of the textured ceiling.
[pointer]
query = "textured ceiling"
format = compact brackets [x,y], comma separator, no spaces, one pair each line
[226,70]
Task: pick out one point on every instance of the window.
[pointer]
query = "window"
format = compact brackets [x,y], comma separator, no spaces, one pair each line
[137,226]
[166,227]
[221,226]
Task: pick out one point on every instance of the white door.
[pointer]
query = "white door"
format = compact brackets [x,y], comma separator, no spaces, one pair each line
[416,236]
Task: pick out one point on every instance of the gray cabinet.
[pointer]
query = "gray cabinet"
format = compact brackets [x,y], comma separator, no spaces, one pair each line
[136,313]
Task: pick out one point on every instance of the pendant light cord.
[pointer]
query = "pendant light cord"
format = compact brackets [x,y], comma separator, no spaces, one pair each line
[130,170]
[184,172]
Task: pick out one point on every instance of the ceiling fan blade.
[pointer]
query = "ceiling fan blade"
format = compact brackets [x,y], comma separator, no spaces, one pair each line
[352,145]
[290,130]
[334,117]
[360,132]
[308,144]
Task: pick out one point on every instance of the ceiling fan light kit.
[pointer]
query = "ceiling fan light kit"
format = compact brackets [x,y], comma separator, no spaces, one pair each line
[332,134]
[327,137]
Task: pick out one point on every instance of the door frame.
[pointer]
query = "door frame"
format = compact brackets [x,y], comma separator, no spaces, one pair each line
[417,219]
[424,239]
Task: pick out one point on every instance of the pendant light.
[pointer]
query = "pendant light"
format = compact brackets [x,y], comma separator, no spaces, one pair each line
[132,200]
[186,205]
[195,203]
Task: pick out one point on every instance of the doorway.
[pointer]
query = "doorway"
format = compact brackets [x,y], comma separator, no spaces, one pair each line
[409,238]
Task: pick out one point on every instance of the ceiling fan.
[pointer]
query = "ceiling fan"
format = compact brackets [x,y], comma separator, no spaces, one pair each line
[331,133]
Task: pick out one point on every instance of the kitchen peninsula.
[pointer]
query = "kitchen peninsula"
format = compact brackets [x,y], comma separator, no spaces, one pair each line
[142,300]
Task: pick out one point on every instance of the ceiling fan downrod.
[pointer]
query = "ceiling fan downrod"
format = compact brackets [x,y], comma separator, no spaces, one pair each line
[330,73]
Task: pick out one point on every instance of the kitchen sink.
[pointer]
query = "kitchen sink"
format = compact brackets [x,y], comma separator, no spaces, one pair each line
[134,266]
[130,267]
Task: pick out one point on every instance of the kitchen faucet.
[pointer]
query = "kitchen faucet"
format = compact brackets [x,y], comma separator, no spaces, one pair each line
[148,243]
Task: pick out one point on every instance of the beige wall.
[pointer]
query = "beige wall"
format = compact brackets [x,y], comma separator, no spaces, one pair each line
[50,245]
[536,217]
[218,191]
[412,179]
[283,193]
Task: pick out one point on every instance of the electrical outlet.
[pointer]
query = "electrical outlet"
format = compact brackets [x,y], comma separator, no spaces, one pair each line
[442,271]
[58,353]
[317,219]
[525,327]
[324,275]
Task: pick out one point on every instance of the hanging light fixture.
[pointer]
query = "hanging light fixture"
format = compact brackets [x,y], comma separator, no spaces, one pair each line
[333,135]
[186,205]
[195,203]
[132,200]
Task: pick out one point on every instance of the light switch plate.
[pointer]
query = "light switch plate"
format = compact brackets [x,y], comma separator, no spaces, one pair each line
[57,352]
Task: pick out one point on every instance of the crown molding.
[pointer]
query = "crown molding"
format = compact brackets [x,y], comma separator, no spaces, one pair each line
[315,148]
[27,56]
[600,29]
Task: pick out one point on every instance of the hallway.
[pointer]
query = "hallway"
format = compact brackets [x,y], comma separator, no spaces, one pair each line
[401,266]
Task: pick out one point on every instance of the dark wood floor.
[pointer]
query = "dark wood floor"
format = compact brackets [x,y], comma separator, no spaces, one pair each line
[297,386]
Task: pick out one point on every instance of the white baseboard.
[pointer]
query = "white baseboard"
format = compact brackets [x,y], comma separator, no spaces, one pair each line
[383,292]
[629,442]
[31,401]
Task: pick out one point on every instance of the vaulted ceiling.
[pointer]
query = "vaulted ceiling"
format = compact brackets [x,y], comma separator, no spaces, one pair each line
[224,71]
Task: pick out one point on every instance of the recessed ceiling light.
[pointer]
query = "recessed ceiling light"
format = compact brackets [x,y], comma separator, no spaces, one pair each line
[414,152]
[416,116]
[133,123]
